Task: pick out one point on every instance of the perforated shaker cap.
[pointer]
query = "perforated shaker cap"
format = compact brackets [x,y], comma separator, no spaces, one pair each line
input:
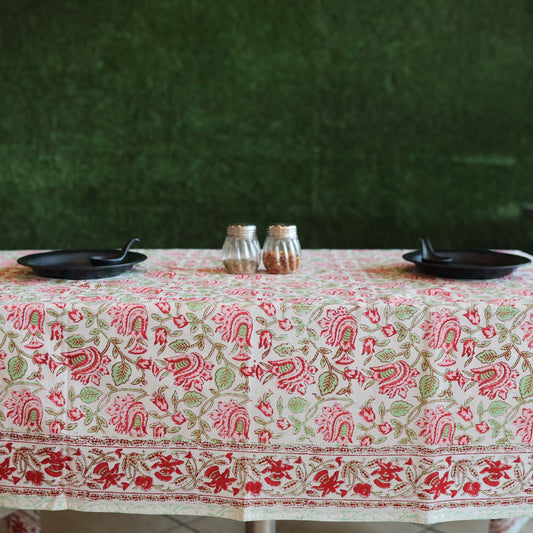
[282,231]
[241,231]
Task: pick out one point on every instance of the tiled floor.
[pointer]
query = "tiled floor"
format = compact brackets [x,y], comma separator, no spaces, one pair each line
[75,522]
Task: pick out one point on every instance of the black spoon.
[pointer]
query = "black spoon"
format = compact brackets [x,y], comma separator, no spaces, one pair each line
[100,260]
[429,255]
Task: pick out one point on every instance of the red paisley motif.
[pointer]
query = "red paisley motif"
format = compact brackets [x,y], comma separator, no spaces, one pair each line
[231,421]
[29,317]
[495,379]
[189,370]
[438,426]
[442,330]
[395,378]
[294,374]
[336,424]
[236,325]
[87,364]
[25,409]
[340,329]
[132,320]
[129,416]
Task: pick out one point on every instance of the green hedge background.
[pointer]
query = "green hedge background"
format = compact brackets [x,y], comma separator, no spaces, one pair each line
[366,123]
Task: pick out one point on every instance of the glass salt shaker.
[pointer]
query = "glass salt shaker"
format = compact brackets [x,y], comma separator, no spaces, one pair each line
[281,251]
[241,253]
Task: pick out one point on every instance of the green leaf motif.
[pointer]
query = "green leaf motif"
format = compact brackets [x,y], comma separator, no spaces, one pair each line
[404,312]
[498,408]
[297,405]
[196,306]
[193,399]
[284,350]
[89,394]
[75,341]
[121,372]
[487,356]
[428,386]
[327,383]
[506,312]
[224,378]
[181,345]
[400,408]
[17,367]
[526,386]
[386,356]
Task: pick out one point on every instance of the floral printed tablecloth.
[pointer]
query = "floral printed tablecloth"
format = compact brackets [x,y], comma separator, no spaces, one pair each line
[355,389]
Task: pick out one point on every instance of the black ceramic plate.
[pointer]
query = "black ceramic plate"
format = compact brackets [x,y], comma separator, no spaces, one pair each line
[76,264]
[465,264]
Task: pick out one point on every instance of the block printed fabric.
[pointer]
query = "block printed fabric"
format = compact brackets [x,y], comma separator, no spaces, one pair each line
[355,389]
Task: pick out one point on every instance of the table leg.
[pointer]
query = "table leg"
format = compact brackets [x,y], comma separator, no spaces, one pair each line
[261,526]
[24,521]
[507,525]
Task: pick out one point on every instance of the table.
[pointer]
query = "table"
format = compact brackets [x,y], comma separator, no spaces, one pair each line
[356,389]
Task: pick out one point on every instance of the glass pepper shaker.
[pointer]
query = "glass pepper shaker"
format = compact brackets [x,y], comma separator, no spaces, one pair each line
[241,253]
[281,251]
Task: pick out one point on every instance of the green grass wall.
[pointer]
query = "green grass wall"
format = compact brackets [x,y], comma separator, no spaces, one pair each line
[367,123]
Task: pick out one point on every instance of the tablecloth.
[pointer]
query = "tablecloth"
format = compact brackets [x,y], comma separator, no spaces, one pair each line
[355,389]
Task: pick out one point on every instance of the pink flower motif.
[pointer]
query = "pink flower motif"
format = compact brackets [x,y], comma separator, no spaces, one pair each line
[483,427]
[395,378]
[145,364]
[368,414]
[489,332]
[495,379]
[25,409]
[75,316]
[75,414]
[265,339]
[264,437]
[283,424]
[527,328]
[472,488]
[340,328]
[87,364]
[385,428]
[128,416]
[285,324]
[56,426]
[525,425]
[164,307]
[247,370]
[455,375]
[180,321]
[236,325]
[131,320]
[41,358]
[469,348]
[57,398]
[254,487]
[389,330]
[465,413]
[56,332]
[373,315]
[159,431]
[294,375]
[160,402]
[369,345]
[178,418]
[231,421]
[473,316]
[189,370]
[29,317]
[442,330]
[268,308]
[265,408]
[366,441]
[463,440]
[438,426]
[161,336]
[336,424]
